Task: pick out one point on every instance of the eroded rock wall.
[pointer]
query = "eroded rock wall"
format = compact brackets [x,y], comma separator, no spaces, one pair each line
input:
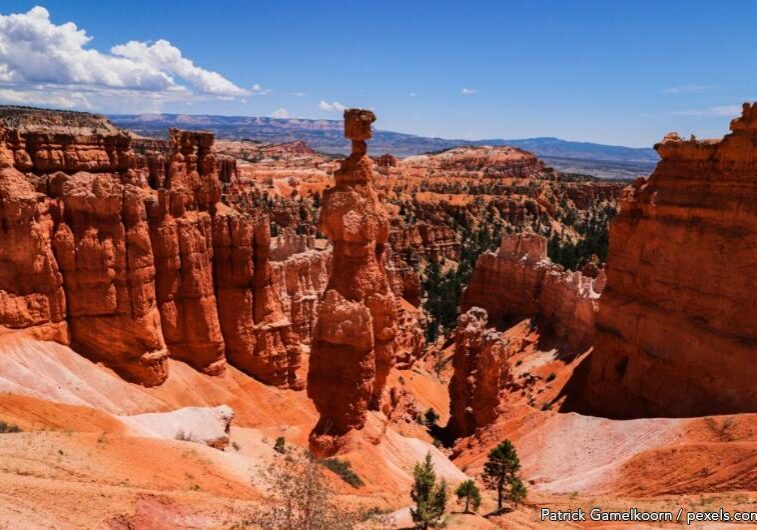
[32,298]
[519,281]
[94,255]
[676,331]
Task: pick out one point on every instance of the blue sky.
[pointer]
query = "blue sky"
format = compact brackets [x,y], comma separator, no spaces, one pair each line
[606,71]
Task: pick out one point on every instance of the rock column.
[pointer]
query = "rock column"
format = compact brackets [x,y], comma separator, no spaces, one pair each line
[353,342]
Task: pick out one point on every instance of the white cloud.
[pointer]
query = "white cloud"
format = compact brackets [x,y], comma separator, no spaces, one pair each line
[687,89]
[468,91]
[280,113]
[413,94]
[298,94]
[66,100]
[720,111]
[37,53]
[334,105]
[258,90]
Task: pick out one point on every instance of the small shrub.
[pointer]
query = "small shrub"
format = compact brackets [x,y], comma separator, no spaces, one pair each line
[8,427]
[280,445]
[344,469]
[431,417]
[551,377]
[183,436]
[235,446]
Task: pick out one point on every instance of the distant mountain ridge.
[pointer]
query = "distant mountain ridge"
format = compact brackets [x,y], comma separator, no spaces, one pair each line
[607,161]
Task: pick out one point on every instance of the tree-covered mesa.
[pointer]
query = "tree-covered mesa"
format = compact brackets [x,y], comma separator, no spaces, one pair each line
[501,474]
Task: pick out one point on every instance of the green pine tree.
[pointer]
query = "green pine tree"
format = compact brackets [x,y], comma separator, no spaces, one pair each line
[501,474]
[430,496]
[468,492]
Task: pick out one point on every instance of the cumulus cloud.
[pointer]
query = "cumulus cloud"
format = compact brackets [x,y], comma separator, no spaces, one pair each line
[687,89]
[719,111]
[469,91]
[280,113]
[37,54]
[333,106]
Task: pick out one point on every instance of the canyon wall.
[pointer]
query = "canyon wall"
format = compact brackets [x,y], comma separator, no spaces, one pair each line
[130,256]
[676,331]
[300,274]
[354,337]
[519,281]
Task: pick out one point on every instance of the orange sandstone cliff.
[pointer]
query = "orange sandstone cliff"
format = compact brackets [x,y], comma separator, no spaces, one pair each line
[677,327]
[129,254]
[520,281]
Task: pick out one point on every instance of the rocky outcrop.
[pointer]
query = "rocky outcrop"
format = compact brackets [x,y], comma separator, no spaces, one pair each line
[32,298]
[353,341]
[127,252]
[423,239]
[676,332]
[201,425]
[181,233]
[483,161]
[480,374]
[255,319]
[103,248]
[300,274]
[277,354]
[519,281]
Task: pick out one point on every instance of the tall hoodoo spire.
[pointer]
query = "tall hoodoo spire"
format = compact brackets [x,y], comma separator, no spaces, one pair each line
[353,344]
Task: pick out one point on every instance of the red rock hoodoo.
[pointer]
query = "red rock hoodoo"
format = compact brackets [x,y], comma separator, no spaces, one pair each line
[480,373]
[353,341]
[677,328]
[520,281]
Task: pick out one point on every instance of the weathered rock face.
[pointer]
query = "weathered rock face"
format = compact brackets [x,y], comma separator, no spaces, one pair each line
[102,245]
[300,274]
[520,281]
[277,351]
[31,286]
[353,342]
[181,233]
[676,333]
[256,320]
[480,373]
[426,240]
[129,255]
[233,248]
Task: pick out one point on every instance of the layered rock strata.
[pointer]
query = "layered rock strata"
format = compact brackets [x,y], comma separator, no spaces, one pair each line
[676,332]
[519,281]
[480,373]
[130,255]
[353,341]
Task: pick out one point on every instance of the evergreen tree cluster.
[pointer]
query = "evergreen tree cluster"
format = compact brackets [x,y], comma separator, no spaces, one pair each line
[594,239]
